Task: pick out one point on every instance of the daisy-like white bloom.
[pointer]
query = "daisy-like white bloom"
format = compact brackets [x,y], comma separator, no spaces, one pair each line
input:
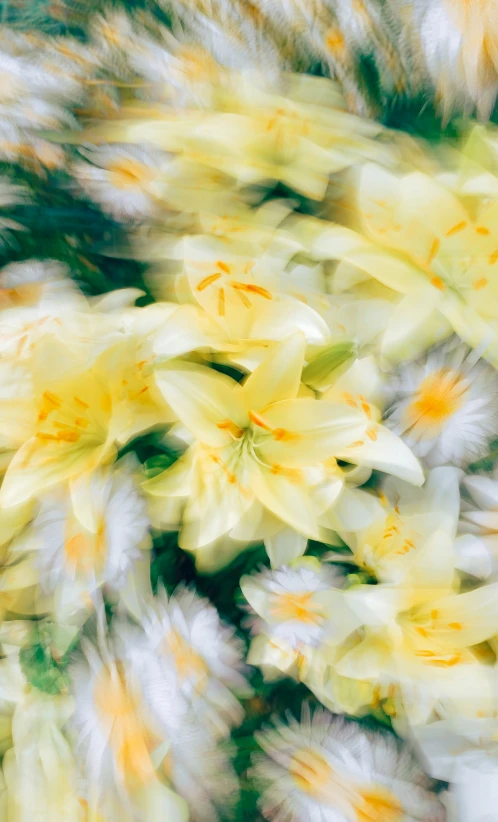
[261,446]
[201,771]
[326,769]
[185,640]
[124,180]
[118,741]
[478,543]
[290,603]
[33,282]
[10,195]
[75,559]
[445,405]
[458,43]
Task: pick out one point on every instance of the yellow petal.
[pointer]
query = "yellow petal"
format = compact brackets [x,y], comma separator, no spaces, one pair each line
[308,431]
[208,403]
[287,498]
[279,375]
[383,450]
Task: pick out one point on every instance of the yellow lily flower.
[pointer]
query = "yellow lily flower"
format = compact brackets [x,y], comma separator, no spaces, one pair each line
[70,430]
[403,519]
[420,241]
[261,443]
[419,632]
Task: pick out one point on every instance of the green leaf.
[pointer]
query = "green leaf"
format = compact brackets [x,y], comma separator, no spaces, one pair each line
[327,365]
[41,670]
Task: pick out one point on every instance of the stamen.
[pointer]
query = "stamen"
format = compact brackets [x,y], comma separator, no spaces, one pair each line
[257,419]
[252,289]
[81,403]
[456,229]
[481,283]
[437,283]
[207,281]
[433,250]
[221,302]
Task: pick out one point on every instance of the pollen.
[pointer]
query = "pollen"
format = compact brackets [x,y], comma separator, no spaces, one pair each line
[252,289]
[439,396]
[231,427]
[282,435]
[378,804]
[221,302]
[493,257]
[224,267]
[207,281]
[334,40]
[258,420]
[455,626]
[433,250]
[296,606]
[292,474]
[481,283]
[81,402]
[437,283]
[310,771]
[456,229]
[480,229]
[372,434]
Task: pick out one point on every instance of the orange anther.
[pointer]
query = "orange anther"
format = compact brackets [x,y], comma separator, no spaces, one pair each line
[456,228]
[433,250]
[207,281]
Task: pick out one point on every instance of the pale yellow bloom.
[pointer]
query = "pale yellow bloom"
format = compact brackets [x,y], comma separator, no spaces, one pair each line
[262,445]
[421,242]
[419,634]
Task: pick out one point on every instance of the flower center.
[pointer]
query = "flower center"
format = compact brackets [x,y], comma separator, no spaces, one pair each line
[438,397]
[128,737]
[85,551]
[310,771]
[377,804]
[189,664]
[128,173]
[296,606]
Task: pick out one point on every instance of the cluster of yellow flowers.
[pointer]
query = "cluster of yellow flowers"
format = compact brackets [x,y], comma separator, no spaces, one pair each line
[326,314]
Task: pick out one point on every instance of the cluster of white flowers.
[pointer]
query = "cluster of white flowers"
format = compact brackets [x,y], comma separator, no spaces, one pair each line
[317,373]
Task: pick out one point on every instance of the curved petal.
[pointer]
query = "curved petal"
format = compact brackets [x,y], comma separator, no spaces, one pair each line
[206,402]
[385,452]
[279,375]
[308,431]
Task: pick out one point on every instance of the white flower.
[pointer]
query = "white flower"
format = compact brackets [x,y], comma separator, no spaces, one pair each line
[201,772]
[185,639]
[445,405]
[290,602]
[33,281]
[477,544]
[10,195]
[458,41]
[123,180]
[326,769]
[74,557]
[116,736]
